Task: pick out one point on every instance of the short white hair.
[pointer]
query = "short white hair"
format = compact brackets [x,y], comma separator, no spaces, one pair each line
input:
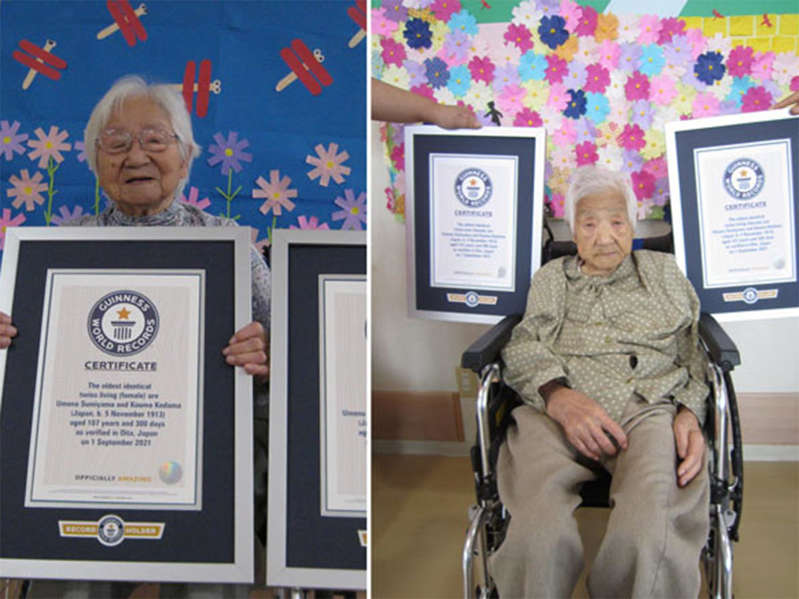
[588,180]
[132,86]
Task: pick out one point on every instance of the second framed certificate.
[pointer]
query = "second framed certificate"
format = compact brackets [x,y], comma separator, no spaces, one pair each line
[473,229]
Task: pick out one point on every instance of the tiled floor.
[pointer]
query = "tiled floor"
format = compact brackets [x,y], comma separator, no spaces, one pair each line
[419,511]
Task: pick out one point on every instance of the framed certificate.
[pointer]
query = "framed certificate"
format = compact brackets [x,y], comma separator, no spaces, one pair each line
[317,412]
[734,184]
[126,451]
[473,229]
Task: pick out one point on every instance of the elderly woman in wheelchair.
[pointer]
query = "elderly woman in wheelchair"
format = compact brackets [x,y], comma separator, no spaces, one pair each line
[607,363]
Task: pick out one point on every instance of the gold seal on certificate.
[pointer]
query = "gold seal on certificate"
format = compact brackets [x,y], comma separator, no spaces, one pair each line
[473,221]
[117,410]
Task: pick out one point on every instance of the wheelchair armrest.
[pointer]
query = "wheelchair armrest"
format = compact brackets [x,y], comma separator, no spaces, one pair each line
[485,350]
[722,349]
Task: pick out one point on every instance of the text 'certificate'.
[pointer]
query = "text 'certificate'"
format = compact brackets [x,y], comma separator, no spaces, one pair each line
[473,221]
[117,412]
[745,204]
[342,348]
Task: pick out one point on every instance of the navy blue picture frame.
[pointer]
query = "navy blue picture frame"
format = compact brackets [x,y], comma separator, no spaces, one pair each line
[464,304]
[750,301]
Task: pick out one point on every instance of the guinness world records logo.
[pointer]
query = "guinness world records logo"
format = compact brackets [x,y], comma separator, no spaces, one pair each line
[473,187]
[123,323]
[110,530]
[744,178]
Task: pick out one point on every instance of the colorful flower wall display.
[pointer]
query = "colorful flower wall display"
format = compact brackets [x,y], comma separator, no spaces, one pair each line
[603,85]
[276,153]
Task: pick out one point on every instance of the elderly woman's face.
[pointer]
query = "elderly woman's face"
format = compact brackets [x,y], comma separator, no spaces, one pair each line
[140,182]
[603,232]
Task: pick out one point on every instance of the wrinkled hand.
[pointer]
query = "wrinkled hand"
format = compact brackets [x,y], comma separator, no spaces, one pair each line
[7,330]
[248,348]
[455,117]
[586,424]
[690,445]
[792,99]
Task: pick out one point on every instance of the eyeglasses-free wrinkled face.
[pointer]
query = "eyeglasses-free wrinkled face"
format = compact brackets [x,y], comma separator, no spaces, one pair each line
[139,162]
[602,231]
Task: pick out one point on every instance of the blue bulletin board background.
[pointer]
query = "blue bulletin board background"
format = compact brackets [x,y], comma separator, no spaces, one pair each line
[304,161]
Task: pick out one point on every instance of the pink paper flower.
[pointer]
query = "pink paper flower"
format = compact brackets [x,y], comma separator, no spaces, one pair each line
[510,99]
[705,104]
[586,24]
[637,87]
[6,221]
[756,98]
[697,40]
[259,244]
[795,84]
[657,167]
[27,190]
[608,54]
[650,27]
[393,52]
[482,69]
[424,90]
[556,69]
[398,157]
[739,62]
[444,9]
[194,193]
[309,223]
[519,36]
[565,135]
[381,25]
[276,193]
[632,138]
[597,78]
[643,184]
[329,164]
[556,204]
[669,27]
[527,118]
[586,153]
[571,13]
[662,90]
[558,97]
[762,66]
[49,146]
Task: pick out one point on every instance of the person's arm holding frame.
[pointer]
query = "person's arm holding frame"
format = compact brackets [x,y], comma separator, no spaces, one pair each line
[390,103]
[7,330]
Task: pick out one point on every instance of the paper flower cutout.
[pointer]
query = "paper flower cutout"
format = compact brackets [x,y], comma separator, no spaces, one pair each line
[6,221]
[49,146]
[329,164]
[10,140]
[229,152]
[26,190]
[353,211]
[417,34]
[66,215]
[276,192]
[192,199]
[309,223]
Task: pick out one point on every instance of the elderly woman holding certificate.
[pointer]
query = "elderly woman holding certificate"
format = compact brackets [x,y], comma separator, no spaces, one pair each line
[607,362]
[140,145]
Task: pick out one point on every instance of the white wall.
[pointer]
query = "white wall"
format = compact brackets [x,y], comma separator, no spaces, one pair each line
[419,355]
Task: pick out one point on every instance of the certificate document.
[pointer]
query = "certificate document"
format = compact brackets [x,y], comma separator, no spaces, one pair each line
[118,404]
[473,221]
[746,210]
[342,349]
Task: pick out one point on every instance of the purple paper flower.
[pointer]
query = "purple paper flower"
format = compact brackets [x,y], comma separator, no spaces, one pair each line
[229,152]
[66,215]
[394,10]
[576,76]
[631,161]
[353,211]
[457,45]
[642,114]
[79,145]
[505,75]
[585,130]
[416,73]
[629,57]
[437,73]
[678,51]
[10,140]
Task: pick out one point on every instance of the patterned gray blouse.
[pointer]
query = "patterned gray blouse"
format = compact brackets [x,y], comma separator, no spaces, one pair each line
[631,332]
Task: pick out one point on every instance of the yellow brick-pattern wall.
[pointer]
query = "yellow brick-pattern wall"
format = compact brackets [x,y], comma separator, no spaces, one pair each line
[778,33]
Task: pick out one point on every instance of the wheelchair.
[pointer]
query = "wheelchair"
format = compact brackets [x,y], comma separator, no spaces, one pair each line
[495,401]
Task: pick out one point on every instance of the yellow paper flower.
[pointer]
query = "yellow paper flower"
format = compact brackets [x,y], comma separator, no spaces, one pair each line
[537,94]
[607,25]
[684,100]
[655,144]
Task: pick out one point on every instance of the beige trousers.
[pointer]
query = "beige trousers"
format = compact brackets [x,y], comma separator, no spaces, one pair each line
[655,532]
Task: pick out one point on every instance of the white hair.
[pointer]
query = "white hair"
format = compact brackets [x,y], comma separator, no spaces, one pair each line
[168,99]
[588,180]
